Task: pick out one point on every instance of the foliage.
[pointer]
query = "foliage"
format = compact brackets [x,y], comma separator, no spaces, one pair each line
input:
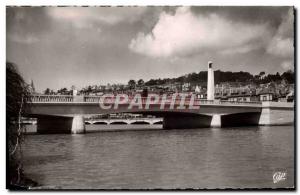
[140,82]
[289,76]
[228,76]
[17,93]
[131,84]
[47,91]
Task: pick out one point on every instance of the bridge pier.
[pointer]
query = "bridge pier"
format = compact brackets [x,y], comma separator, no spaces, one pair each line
[277,113]
[78,125]
[216,120]
[59,124]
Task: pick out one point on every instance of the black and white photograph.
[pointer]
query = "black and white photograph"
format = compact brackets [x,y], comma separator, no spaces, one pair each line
[150,97]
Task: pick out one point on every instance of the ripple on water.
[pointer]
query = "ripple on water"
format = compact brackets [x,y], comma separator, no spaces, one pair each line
[198,158]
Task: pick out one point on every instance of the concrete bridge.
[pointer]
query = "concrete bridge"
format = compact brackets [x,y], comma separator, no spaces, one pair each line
[64,114]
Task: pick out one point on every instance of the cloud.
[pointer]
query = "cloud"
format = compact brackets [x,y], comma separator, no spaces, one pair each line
[81,17]
[185,33]
[282,43]
[25,39]
[287,65]
[240,50]
[281,46]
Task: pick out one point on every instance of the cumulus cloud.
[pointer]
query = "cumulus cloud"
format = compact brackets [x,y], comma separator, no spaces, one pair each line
[82,16]
[282,42]
[185,33]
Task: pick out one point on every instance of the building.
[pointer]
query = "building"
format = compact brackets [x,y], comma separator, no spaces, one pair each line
[243,98]
[186,87]
[266,96]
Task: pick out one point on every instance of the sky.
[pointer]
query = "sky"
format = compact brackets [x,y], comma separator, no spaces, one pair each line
[63,46]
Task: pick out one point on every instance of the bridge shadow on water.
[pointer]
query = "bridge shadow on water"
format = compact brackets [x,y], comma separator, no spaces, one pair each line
[95,128]
[240,119]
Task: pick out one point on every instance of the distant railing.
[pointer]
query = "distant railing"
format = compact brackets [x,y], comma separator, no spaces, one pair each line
[91,98]
[239,103]
[51,98]
[111,100]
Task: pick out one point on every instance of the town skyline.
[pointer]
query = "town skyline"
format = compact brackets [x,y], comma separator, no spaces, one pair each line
[100,45]
[192,79]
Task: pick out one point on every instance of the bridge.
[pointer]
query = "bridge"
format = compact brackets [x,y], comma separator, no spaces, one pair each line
[128,121]
[65,113]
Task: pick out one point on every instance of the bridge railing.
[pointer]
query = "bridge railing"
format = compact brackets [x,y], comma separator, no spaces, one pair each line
[222,102]
[51,98]
[112,100]
[91,98]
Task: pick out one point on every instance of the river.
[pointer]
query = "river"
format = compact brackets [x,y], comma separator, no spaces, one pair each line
[146,157]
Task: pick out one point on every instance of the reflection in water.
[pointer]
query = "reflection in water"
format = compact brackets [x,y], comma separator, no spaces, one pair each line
[199,158]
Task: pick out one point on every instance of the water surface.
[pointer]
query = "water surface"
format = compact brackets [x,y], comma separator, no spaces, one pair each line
[162,159]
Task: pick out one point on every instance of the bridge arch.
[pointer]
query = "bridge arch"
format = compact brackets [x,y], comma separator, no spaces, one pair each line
[140,123]
[100,123]
[118,123]
[240,119]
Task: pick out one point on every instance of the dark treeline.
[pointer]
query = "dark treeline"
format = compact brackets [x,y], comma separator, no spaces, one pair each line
[228,76]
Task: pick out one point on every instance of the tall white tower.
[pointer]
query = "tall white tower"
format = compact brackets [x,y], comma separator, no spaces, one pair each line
[210,82]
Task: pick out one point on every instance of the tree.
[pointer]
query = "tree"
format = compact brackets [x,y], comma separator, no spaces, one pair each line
[151,82]
[131,84]
[140,82]
[262,73]
[47,91]
[256,77]
[89,89]
[63,91]
[17,97]
[289,76]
